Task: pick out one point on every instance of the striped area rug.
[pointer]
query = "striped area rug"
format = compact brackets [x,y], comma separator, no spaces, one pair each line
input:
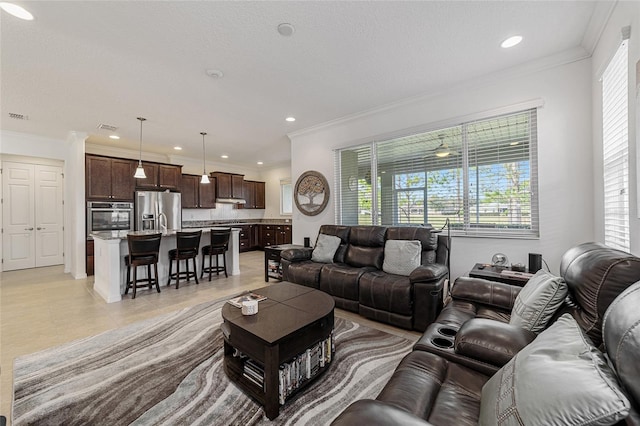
[168,371]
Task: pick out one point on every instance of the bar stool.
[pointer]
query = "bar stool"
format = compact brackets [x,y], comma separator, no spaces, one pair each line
[143,251]
[187,244]
[218,246]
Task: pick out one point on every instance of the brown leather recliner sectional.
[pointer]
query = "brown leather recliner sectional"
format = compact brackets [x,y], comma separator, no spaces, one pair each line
[358,283]
[471,348]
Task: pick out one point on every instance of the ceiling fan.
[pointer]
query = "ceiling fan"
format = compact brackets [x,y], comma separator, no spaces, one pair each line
[443,150]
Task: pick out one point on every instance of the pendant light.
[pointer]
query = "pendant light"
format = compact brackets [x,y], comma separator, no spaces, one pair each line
[205,176]
[140,170]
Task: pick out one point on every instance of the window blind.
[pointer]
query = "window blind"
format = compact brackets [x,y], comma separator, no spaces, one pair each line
[615,139]
[479,175]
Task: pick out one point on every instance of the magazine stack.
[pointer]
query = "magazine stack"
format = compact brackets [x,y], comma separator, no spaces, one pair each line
[304,366]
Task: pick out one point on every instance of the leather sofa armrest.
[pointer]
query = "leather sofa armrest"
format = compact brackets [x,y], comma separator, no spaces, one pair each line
[427,273]
[297,254]
[487,292]
[371,412]
[490,341]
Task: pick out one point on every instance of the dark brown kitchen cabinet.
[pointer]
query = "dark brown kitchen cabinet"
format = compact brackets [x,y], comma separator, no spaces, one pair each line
[169,176]
[109,178]
[229,185]
[151,181]
[247,237]
[90,258]
[196,195]
[189,189]
[272,235]
[260,195]
[160,176]
[253,194]
[207,194]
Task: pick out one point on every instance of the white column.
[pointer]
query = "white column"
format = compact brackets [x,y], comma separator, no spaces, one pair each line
[233,254]
[107,269]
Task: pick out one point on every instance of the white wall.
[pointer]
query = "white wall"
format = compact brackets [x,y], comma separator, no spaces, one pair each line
[624,14]
[564,154]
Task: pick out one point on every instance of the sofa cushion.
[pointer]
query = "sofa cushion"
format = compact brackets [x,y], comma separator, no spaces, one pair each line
[342,232]
[390,293]
[325,248]
[560,378]
[538,300]
[366,246]
[435,389]
[305,273]
[401,257]
[340,280]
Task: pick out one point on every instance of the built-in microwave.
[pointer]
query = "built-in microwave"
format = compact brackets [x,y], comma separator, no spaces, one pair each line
[109,217]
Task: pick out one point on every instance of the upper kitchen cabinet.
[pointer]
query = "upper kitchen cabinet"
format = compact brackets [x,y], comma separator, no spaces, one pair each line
[229,185]
[196,195]
[160,176]
[254,194]
[189,189]
[151,181]
[169,176]
[109,178]
[207,194]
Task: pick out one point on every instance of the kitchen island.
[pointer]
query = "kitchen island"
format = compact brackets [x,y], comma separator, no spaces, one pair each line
[110,249]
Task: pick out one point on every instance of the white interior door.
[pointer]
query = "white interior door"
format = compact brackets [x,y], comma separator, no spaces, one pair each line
[32,215]
[48,216]
[18,215]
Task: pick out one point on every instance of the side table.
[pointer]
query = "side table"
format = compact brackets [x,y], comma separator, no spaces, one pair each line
[500,274]
[272,265]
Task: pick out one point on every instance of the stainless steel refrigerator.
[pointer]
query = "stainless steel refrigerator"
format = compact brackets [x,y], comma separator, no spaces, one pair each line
[158,210]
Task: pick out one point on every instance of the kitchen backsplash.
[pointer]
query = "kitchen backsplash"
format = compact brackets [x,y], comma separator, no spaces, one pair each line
[221,212]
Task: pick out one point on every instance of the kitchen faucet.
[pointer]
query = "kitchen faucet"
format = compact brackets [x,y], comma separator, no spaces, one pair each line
[163,228]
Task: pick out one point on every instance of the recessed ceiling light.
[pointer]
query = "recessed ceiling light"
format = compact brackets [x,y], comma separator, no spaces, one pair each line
[260,163]
[215,73]
[511,41]
[224,156]
[286,30]
[16,11]
[290,119]
[177,148]
[116,137]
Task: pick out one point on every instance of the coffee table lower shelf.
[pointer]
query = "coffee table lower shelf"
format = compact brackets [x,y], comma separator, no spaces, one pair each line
[268,395]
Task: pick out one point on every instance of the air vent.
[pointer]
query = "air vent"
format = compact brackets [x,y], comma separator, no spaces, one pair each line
[107,127]
[18,116]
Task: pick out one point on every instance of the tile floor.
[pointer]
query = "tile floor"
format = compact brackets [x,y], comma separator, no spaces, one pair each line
[44,307]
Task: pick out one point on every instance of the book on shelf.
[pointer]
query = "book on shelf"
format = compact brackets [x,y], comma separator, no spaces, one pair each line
[237,301]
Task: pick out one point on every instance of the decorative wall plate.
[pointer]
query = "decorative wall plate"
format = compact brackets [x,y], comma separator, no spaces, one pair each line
[311,193]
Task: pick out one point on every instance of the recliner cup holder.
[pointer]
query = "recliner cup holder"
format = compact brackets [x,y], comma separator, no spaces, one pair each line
[442,342]
[447,331]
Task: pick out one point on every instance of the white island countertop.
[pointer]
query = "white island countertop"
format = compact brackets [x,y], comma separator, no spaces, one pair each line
[111,247]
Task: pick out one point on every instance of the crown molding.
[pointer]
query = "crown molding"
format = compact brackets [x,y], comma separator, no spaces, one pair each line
[599,18]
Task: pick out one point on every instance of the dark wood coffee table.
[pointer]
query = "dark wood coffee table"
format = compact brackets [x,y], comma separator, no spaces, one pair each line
[294,318]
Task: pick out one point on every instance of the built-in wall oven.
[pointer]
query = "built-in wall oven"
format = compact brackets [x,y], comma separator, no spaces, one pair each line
[103,216]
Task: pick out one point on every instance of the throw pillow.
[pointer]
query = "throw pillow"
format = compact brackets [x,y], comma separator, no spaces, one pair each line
[401,257]
[559,378]
[325,248]
[538,300]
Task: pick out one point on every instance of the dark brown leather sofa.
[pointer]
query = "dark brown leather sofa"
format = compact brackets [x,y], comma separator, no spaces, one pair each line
[356,279]
[473,328]
[441,380]
[427,389]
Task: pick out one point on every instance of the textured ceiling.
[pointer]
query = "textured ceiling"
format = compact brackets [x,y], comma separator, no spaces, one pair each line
[82,63]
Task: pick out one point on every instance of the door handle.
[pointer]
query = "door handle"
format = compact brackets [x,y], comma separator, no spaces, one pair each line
[28,229]
[39,228]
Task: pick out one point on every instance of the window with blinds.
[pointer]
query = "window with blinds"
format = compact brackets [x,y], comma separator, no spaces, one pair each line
[480,175]
[615,139]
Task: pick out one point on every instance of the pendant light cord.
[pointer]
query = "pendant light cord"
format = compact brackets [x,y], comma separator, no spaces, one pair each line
[140,157]
[204,159]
